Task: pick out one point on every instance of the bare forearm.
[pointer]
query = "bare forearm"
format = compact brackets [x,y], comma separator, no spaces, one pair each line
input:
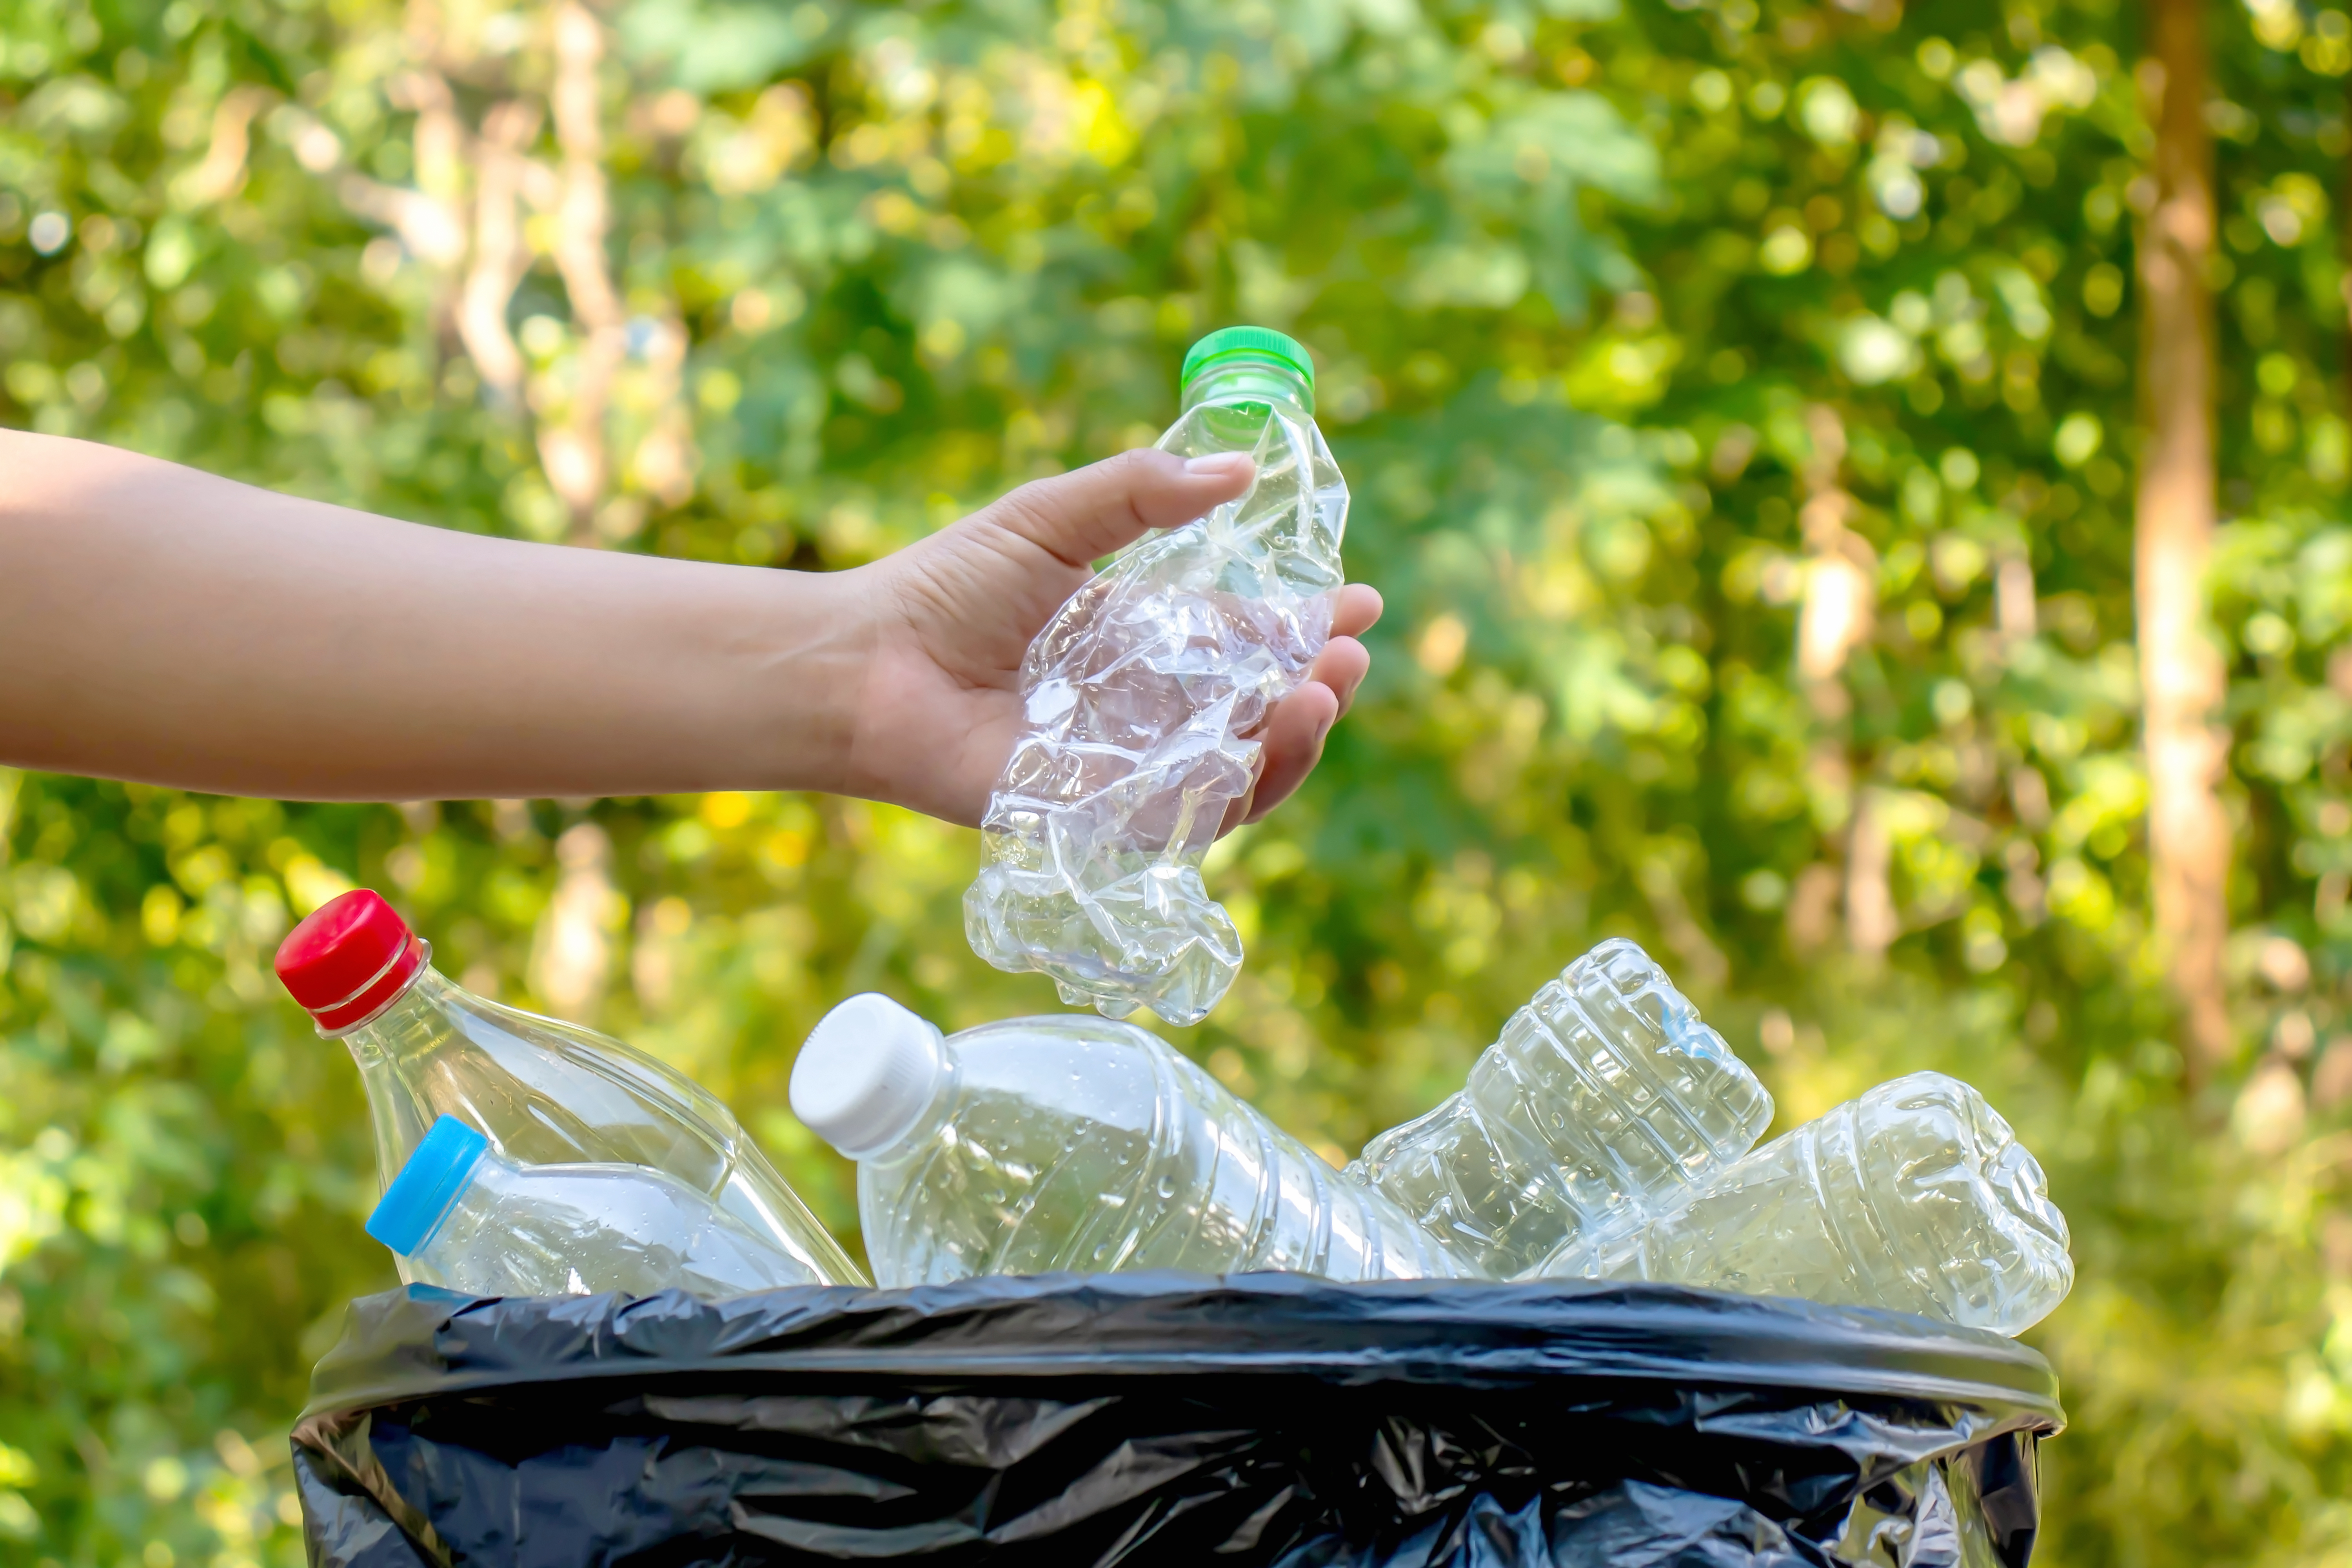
[161,624]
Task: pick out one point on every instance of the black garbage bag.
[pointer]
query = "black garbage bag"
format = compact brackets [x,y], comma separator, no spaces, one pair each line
[1144,1419]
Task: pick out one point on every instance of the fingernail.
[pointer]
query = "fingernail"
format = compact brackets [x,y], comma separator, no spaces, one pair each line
[1219,463]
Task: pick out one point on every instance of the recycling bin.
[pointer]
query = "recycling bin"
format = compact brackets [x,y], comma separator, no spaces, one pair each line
[1166,1419]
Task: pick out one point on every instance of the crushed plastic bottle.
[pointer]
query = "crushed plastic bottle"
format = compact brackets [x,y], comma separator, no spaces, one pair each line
[1049,1144]
[1917,1198]
[472,1220]
[1605,1100]
[1145,697]
[543,1092]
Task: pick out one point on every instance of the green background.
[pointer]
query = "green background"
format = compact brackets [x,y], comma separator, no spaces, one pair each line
[1607,306]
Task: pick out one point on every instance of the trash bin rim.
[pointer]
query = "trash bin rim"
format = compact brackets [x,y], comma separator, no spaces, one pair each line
[1490,1335]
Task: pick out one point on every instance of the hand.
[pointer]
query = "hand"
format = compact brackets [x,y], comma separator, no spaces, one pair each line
[950,617]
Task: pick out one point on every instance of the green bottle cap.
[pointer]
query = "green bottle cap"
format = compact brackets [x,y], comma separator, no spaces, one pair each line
[1229,343]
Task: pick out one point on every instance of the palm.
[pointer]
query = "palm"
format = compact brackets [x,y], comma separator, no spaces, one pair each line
[943,697]
[952,617]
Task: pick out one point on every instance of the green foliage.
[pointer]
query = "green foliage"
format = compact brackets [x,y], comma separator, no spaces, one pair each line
[1738,402]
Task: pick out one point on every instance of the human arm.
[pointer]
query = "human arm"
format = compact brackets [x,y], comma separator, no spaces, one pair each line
[165,626]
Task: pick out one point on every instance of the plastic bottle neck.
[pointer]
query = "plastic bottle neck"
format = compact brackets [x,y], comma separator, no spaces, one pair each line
[489,1187]
[938,1109]
[1244,383]
[421,997]
[447,1164]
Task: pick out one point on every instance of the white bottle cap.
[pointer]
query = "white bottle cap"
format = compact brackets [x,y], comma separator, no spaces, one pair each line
[868,1070]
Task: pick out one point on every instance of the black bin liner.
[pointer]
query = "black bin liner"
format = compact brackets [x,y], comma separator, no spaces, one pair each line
[1162,1418]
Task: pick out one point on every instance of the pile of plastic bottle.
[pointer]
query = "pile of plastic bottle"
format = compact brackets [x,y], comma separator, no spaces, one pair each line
[1607,1133]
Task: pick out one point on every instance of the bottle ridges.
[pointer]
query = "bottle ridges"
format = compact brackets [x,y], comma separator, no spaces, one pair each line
[1603,1100]
[1085,1145]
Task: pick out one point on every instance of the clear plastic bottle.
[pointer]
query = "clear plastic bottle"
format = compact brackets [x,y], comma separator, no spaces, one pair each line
[1049,1144]
[464,1218]
[1917,1198]
[1146,696]
[544,1092]
[1605,1100]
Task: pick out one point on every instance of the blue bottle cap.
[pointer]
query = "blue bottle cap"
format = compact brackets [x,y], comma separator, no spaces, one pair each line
[428,1187]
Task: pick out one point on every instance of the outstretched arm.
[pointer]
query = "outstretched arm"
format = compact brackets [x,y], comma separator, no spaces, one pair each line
[160,624]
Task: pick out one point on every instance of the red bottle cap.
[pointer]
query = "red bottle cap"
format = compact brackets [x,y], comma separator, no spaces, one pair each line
[349,957]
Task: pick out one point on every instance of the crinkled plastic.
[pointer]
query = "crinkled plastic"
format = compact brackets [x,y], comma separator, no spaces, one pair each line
[1604,1101]
[1150,1419]
[1917,1196]
[1145,696]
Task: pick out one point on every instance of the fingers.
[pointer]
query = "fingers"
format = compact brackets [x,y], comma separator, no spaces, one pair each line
[1341,665]
[1082,516]
[1296,728]
[1294,744]
[1355,610]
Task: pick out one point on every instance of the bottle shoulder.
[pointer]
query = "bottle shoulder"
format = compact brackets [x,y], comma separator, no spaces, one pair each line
[1088,1069]
[639,1070]
[545,1091]
[1026,1093]
[1249,424]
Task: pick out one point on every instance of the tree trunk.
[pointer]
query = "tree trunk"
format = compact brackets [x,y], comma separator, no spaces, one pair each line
[2181,672]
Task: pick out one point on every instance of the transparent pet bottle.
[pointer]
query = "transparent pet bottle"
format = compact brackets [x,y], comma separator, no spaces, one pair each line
[1605,1100]
[544,1092]
[1146,696]
[1051,1143]
[1915,1197]
[470,1219]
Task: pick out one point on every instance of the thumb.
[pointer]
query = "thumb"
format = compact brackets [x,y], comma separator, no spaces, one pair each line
[1080,517]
